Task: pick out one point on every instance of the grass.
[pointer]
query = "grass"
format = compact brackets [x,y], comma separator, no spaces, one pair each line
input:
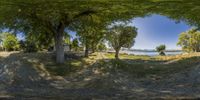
[137,66]
[112,75]
[126,56]
[144,66]
[68,67]
[72,65]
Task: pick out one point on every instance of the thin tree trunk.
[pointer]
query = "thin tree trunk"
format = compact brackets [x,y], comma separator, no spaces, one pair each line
[93,50]
[59,44]
[86,48]
[117,54]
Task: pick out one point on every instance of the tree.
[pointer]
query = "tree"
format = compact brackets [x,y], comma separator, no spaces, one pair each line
[1,44]
[90,32]
[10,42]
[67,39]
[121,36]
[36,42]
[75,44]
[190,40]
[32,15]
[88,36]
[54,16]
[101,46]
[161,49]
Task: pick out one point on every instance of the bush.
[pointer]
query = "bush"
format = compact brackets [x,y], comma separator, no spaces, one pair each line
[102,47]
[161,50]
[28,46]
[10,42]
[75,45]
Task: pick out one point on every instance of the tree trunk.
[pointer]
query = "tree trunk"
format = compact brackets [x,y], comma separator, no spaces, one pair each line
[59,44]
[93,50]
[117,54]
[86,48]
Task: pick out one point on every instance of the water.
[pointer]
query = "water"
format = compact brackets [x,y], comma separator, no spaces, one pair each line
[151,53]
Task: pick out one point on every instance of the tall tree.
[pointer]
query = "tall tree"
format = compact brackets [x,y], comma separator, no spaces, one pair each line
[75,44]
[54,16]
[90,31]
[32,15]
[121,36]
[190,40]
[90,37]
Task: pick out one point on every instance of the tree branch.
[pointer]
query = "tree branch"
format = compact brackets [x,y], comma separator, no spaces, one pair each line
[85,13]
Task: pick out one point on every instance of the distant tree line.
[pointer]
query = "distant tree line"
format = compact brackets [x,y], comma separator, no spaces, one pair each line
[31,43]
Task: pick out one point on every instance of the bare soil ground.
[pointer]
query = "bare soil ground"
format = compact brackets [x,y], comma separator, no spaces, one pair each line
[26,77]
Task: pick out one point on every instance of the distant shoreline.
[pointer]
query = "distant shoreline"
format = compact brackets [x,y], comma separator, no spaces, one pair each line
[145,50]
[148,52]
[154,50]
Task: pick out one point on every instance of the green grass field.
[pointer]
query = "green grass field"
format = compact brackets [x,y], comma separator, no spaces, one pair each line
[137,66]
[143,66]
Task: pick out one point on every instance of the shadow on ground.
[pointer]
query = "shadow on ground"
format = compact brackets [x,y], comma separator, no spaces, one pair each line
[156,79]
[29,76]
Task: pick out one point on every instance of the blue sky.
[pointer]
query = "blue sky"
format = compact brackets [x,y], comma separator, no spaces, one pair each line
[155,30]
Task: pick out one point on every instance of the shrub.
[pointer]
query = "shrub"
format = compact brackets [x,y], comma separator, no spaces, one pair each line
[102,47]
[161,49]
[28,46]
[10,42]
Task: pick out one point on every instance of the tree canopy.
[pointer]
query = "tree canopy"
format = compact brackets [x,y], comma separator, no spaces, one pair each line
[10,42]
[52,17]
[121,36]
[161,49]
[190,40]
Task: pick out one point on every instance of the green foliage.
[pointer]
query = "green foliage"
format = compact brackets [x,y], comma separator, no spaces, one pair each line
[190,40]
[32,16]
[37,42]
[30,47]
[90,32]
[22,44]
[1,42]
[67,39]
[41,41]
[10,42]
[161,49]
[102,47]
[31,44]
[121,36]
[75,44]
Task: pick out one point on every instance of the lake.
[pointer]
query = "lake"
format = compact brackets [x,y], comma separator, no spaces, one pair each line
[151,53]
